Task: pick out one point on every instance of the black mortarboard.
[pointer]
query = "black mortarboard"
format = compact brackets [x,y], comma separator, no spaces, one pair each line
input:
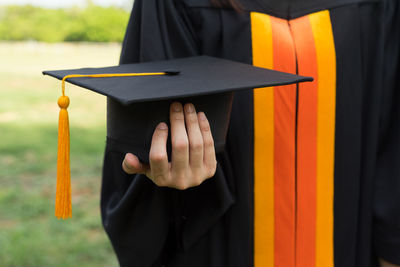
[192,76]
[207,82]
[186,79]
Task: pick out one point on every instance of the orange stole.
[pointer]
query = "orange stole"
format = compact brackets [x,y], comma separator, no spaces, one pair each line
[306,143]
[293,164]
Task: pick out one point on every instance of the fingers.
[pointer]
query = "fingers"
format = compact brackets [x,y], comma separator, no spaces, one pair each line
[193,153]
[158,157]
[209,159]
[179,141]
[132,165]
[195,138]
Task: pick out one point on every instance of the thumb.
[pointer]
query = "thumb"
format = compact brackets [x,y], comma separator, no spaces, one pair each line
[132,165]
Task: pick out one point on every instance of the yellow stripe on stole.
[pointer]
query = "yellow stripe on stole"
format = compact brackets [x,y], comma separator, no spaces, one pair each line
[263,146]
[326,61]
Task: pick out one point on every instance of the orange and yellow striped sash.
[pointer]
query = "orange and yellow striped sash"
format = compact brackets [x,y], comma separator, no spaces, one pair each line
[294,143]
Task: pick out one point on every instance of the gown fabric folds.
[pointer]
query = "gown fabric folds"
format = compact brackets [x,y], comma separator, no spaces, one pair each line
[310,175]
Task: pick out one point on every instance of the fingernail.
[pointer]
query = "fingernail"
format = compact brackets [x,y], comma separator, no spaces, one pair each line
[190,108]
[162,126]
[202,116]
[177,107]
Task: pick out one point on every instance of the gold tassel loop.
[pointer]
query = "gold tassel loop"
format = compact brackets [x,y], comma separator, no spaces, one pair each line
[63,195]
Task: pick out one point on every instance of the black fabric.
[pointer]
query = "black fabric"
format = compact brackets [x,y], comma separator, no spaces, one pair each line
[285,9]
[212,225]
[367,52]
[349,91]
[366,185]
[152,26]
[183,237]
[386,204]
[131,209]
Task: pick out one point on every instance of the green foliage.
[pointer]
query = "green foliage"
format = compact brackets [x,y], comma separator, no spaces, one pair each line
[90,24]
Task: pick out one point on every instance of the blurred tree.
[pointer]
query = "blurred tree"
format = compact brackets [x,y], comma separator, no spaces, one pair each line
[90,24]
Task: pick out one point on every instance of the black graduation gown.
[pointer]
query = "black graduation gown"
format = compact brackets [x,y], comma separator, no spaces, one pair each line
[343,213]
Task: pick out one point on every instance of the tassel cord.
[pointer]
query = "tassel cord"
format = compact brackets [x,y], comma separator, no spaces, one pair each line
[63,206]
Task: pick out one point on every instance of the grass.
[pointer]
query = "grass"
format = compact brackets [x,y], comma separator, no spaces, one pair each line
[30,235]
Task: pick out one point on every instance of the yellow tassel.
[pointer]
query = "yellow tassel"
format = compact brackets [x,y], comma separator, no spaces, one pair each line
[63,208]
[63,195]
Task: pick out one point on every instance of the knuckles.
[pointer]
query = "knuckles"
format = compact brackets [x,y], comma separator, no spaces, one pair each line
[196,144]
[160,180]
[179,182]
[197,180]
[181,186]
[184,178]
[180,178]
[180,145]
[209,142]
[158,157]
[191,119]
[205,127]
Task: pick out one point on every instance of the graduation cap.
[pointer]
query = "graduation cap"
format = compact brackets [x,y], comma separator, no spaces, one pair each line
[147,90]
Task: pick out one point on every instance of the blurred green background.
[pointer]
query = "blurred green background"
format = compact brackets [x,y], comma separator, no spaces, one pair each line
[89,24]
[33,39]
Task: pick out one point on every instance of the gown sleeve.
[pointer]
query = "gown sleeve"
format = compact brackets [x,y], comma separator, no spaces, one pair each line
[146,223]
[387,182]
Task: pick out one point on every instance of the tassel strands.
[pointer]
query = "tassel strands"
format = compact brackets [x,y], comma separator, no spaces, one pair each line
[63,206]
[63,195]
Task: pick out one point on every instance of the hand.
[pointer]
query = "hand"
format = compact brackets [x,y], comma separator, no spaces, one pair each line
[384,263]
[193,154]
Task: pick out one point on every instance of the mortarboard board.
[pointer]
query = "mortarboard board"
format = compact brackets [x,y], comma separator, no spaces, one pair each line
[147,89]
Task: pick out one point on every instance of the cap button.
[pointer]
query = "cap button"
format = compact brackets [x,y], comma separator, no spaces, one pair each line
[63,102]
